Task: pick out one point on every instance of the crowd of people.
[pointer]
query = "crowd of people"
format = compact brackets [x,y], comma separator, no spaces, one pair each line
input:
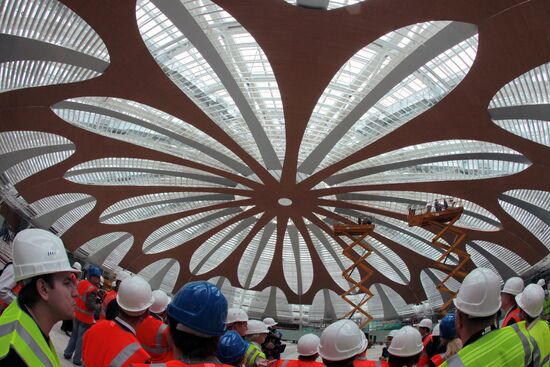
[138,326]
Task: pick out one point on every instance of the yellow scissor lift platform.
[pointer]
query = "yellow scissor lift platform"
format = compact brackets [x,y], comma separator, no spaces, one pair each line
[356,233]
[445,218]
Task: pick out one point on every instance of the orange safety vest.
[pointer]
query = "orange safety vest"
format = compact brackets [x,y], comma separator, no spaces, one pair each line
[15,290]
[424,359]
[81,312]
[511,315]
[438,359]
[108,344]
[297,363]
[369,363]
[152,333]
[175,363]
[108,298]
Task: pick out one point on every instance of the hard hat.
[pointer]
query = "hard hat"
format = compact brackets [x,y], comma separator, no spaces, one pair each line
[200,309]
[447,327]
[541,282]
[269,322]
[256,327]
[134,296]
[392,333]
[308,345]
[435,331]
[513,286]
[479,294]
[94,271]
[342,340]
[427,323]
[37,252]
[531,300]
[160,301]
[236,315]
[231,347]
[77,266]
[407,342]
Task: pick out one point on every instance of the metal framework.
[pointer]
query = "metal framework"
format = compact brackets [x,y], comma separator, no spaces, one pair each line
[357,234]
[443,219]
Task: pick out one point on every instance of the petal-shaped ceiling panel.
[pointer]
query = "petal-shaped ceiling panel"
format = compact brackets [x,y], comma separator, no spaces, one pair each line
[162,274]
[61,212]
[506,263]
[256,260]
[386,303]
[24,153]
[434,161]
[106,250]
[430,279]
[155,205]
[49,44]
[523,106]
[297,265]
[385,85]
[531,208]
[220,67]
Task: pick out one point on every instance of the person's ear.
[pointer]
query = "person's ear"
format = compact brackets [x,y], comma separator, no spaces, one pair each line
[43,289]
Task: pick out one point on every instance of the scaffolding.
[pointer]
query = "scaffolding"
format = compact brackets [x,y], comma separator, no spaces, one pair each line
[444,219]
[357,234]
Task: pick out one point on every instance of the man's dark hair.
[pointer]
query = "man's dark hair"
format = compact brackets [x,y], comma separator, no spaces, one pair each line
[395,361]
[191,345]
[308,358]
[343,363]
[28,295]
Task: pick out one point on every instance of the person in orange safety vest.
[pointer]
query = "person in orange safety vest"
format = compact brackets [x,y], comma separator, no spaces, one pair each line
[196,320]
[86,305]
[109,306]
[340,344]
[152,333]
[405,348]
[114,342]
[425,328]
[307,353]
[510,309]
[9,288]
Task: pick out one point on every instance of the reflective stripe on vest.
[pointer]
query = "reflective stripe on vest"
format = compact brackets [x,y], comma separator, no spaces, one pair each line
[124,355]
[540,332]
[438,359]
[524,342]
[19,332]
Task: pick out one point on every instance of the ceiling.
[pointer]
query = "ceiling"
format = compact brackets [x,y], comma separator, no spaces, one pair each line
[221,140]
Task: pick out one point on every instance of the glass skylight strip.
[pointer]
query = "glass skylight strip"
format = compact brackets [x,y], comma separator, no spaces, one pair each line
[535,200]
[534,130]
[482,262]
[30,73]
[375,307]
[383,266]
[98,243]
[334,4]
[259,303]
[530,88]
[146,126]
[186,67]
[262,265]
[292,252]
[156,205]
[182,230]
[510,258]
[451,283]
[223,243]
[52,22]
[169,281]
[397,301]
[232,294]
[68,219]
[435,299]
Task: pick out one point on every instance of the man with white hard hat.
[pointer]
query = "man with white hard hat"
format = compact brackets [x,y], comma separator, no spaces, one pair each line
[114,342]
[256,333]
[307,350]
[152,333]
[48,281]
[510,310]
[477,302]
[530,302]
[425,329]
[237,320]
[389,338]
[341,342]
[406,347]
[546,308]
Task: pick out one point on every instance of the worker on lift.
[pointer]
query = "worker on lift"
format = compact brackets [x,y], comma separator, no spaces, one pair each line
[237,320]
[152,333]
[510,310]
[425,329]
[530,302]
[232,348]
[196,320]
[307,353]
[41,265]
[450,343]
[114,342]
[341,342]
[405,348]
[477,303]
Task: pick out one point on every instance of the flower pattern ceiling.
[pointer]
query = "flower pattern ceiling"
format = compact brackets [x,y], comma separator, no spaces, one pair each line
[200,139]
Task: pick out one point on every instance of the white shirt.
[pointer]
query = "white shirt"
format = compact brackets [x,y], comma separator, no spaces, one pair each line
[7,283]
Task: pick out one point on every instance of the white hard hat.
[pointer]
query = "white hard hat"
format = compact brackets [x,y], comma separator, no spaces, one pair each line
[427,323]
[134,296]
[541,282]
[269,322]
[77,266]
[392,333]
[479,294]
[407,342]
[236,315]
[160,301]
[531,300]
[435,331]
[308,344]
[513,286]
[37,252]
[342,340]
[256,327]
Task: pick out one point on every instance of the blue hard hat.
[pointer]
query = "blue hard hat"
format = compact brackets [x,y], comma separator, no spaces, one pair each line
[94,271]
[201,307]
[447,328]
[231,347]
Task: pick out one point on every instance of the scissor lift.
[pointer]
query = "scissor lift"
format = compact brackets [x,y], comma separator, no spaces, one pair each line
[445,220]
[356,233]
